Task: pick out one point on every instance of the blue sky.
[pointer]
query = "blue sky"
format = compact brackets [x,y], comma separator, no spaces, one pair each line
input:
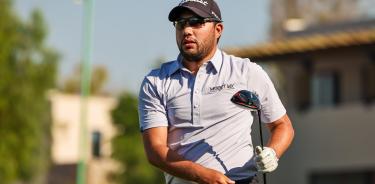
[130,35]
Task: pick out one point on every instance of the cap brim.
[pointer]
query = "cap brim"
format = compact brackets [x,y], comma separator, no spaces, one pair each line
[173,15]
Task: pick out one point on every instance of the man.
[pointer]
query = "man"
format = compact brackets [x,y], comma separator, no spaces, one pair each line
[191,130]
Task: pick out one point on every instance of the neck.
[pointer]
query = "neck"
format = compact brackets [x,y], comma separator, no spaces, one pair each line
[194,66]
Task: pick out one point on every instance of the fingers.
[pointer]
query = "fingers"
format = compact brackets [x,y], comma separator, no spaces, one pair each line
[266,159]
[210,176]
[268,167]
[258,150]
[265,153]
[229,181]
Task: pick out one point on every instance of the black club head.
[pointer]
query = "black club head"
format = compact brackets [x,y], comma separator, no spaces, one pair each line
[246,99]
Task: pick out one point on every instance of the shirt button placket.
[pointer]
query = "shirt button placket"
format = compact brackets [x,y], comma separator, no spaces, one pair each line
[196,98]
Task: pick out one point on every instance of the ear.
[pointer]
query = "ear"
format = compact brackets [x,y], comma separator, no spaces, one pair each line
[219,29]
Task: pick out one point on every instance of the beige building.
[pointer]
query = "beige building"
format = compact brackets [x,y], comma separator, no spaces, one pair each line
[65,138]
[326,78]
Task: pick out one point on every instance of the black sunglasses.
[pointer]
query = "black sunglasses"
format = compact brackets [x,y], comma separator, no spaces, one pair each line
[193,22]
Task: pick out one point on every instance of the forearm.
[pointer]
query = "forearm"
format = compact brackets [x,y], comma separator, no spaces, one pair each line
[161,156]
[282,134]
[172,163]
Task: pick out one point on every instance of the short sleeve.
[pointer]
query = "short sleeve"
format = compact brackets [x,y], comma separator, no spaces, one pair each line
[152,112]
[259,82]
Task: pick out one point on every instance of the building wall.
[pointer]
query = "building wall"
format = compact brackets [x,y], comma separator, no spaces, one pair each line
[348,66]
[326,140]
[299,70]
[66,129]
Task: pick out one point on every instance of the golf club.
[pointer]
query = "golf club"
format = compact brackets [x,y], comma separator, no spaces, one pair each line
[250,101]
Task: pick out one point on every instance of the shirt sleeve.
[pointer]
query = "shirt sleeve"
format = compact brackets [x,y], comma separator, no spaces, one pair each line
[259,82]
[152,112]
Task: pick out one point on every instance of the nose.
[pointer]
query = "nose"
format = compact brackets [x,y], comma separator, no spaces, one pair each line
[187,30]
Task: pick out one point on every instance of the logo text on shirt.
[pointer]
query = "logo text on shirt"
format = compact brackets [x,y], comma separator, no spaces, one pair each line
[221,87]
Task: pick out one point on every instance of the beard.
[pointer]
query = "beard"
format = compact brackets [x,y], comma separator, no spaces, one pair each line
[194,57]
[203,49]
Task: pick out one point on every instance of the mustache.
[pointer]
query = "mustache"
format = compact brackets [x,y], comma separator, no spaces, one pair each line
[188,40]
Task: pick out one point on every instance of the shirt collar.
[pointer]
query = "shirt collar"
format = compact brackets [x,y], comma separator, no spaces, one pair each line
[216,62]
[175,65]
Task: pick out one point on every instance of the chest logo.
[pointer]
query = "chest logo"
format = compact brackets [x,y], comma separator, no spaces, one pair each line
[215,89]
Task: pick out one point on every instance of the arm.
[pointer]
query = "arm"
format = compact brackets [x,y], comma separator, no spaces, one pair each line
[159,155]
[282,134]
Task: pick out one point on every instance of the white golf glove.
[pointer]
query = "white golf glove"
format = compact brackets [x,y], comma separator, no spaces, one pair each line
[266,159]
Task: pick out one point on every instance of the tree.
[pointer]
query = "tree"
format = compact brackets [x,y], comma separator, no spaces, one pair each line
[128,147]
[98,79]
[27,71]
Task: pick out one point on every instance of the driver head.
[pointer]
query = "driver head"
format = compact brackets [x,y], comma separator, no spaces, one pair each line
[246,99]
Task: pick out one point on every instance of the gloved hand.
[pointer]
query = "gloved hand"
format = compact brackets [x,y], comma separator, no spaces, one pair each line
[266,159]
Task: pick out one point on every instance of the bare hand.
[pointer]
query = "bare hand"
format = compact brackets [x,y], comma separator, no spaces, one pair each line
[210,176]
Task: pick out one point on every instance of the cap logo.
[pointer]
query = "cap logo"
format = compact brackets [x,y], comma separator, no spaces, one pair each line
[198,1]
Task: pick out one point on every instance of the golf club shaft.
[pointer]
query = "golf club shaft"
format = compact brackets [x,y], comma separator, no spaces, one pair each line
[261,142]
[260,129]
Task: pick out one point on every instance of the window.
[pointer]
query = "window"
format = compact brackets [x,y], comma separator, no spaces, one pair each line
[95,144]
[325,90]
[303,86]
[368,81]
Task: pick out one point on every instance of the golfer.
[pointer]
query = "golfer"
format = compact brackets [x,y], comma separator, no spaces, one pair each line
[191,130]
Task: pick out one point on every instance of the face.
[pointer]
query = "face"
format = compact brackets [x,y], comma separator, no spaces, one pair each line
[197,41]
